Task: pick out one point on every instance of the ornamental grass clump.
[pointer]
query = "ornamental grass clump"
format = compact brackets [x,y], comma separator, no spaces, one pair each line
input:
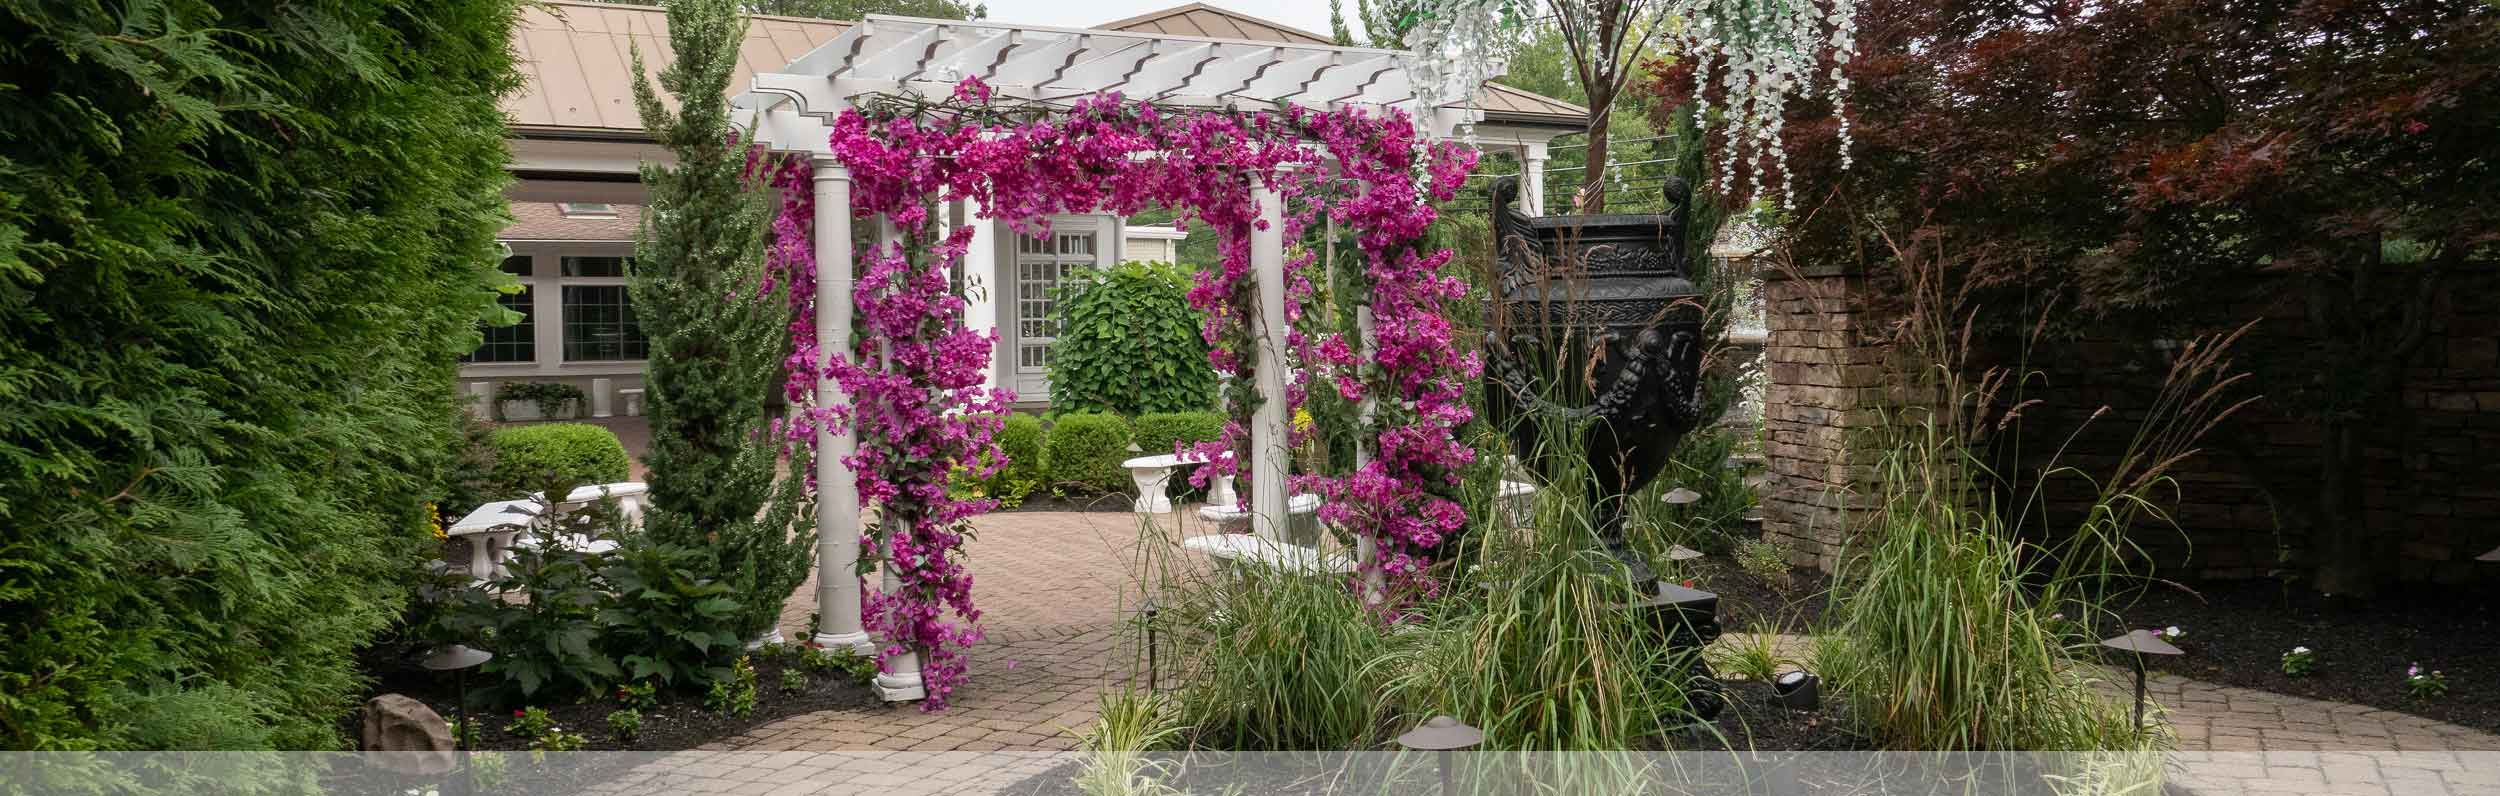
[1947,631]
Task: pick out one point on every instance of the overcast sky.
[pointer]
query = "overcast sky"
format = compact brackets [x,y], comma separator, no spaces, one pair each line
[1310,15]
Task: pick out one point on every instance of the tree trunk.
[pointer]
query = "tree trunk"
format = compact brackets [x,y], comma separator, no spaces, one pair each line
[2340,539]
[1593,174]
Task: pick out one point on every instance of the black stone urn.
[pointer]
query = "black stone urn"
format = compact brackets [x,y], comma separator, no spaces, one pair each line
[1597,331]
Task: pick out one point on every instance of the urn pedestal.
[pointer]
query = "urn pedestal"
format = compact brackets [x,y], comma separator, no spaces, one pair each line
[1597,333]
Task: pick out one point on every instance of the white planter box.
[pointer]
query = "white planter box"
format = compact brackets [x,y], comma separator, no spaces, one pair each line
[523,411]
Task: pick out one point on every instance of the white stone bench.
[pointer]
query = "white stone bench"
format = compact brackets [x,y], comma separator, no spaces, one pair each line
[491,529]
[1233,550]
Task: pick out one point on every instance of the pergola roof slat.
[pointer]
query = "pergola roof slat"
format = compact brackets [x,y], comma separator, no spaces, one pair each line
[901,55]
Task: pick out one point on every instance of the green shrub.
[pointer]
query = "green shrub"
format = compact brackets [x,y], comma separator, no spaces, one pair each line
[1020,441]
[242,247]
[1084,452]
[1158,432]
[1129,343]
[576,452]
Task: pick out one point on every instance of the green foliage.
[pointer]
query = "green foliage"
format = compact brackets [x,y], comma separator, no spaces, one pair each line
[1766,561]
[625,724]
[733,695]
[1129,343]
[1020,441]
[854,667]
[578,453]
[642,614]
[468,480]
[1084,451]
[638,696]
[664,621]
[531,722]
[793,681]
[1157,433]
[715,361]
[242,245]
[551,397]
[1753,654]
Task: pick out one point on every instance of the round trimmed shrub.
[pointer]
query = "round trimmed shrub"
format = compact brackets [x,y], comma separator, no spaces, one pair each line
[1021,442]
[1083,452]
[1157,433]
[578,453]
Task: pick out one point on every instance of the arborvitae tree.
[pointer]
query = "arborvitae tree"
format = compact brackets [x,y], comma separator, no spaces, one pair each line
[242,246]
[716,344]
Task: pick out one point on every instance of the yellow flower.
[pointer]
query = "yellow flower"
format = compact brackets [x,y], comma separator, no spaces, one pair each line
[1301,419]
[434,517]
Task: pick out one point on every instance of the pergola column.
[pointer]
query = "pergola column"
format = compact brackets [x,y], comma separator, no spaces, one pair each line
[900,681]
[1271,449]
[980,279]
[1532,178]
[838,623]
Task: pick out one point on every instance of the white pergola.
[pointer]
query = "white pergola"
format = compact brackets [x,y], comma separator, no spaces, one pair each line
[791,111]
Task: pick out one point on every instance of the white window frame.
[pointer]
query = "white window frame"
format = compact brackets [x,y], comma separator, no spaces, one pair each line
[546,285]
[1066,263]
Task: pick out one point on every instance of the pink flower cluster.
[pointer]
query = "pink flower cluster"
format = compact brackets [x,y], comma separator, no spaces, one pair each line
[915,383]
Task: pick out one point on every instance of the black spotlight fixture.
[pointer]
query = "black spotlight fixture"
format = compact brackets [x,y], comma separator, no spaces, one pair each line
[1798,690]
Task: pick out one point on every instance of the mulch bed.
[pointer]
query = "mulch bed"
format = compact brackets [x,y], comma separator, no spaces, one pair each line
[1747,602]
[2236,633]
[680,722]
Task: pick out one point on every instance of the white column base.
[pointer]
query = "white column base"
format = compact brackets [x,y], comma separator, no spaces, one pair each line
[773,637]
[858,643]
[901,687]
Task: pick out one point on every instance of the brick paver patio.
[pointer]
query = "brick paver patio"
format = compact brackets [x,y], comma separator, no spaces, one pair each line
[1056,590]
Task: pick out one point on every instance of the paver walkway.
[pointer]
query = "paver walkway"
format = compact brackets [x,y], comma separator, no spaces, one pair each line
[1055,589]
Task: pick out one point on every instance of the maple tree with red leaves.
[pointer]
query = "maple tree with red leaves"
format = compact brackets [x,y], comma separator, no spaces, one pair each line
[2167,159]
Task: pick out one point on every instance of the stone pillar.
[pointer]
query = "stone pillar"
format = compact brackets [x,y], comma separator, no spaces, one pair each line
[837,504]
[602,393]
[1825,358]
[1270,448]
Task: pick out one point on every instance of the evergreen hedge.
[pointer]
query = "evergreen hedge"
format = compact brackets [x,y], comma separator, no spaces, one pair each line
[242,245]
[1020,441]
[1083,453]
[1157,433]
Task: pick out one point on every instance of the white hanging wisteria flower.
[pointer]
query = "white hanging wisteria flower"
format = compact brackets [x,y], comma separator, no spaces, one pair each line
[1757,53]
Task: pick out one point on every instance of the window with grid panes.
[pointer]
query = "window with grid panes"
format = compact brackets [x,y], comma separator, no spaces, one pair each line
[518,342]
[1042,264]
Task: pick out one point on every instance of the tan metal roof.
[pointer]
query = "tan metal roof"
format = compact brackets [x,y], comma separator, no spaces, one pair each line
[577,60]
[1200,19]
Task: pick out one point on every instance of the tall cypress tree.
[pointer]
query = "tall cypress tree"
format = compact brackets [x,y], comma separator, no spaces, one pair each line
[717,343]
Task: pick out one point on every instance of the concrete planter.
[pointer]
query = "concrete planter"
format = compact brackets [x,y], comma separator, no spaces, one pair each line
[526,411]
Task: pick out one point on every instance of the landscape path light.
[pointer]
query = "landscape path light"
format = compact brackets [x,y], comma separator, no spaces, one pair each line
[1680,496]
[1677,552]
[459,659]
[2141,643]
[1442,734]
[2493,556]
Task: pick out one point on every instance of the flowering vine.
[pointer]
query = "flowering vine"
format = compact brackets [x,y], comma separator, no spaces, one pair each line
[915,377]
